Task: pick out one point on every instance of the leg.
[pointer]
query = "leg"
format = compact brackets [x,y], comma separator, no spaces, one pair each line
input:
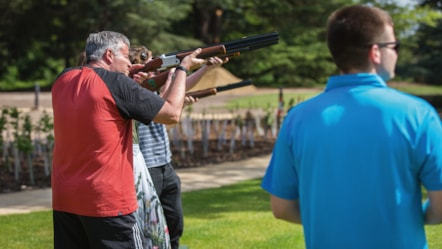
[168,186]
[112,232]
[68,231]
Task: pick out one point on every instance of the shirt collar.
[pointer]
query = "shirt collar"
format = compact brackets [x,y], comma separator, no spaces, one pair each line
[358,79]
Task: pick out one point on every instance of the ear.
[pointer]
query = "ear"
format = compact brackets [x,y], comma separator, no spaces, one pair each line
[374,54]
[108,56]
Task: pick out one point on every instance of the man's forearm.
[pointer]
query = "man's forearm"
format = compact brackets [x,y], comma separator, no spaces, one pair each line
[170,113]
[287,210]
[432,208]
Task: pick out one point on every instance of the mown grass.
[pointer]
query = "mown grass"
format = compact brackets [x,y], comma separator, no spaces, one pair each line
[268,101]
[416,89]
[26,231]
[235,216]
[271,100]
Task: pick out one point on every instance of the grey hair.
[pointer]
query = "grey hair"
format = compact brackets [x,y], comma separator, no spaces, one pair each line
[98,43]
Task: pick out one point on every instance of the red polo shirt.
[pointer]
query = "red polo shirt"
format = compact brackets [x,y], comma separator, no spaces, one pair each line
[92,162]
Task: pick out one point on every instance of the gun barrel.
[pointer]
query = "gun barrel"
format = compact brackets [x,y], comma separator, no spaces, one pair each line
[240,49]
[234,85]
[244,44]
[257,41]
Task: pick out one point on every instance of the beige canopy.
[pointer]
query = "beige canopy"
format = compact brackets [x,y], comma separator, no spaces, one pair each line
[220,77]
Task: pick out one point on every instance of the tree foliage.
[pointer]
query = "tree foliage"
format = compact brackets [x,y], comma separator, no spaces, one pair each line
[428,49]
[39,38]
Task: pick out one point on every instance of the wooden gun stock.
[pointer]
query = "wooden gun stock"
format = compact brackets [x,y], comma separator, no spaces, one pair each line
[155,82]
[165,62]
[202,93]
[158,81]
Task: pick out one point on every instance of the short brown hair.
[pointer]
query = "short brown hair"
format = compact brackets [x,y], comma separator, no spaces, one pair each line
[139,54]
[350,32]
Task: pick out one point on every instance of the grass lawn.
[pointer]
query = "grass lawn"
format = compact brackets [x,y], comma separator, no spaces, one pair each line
[235,216]
[270,100]
[26,231]
[417,89]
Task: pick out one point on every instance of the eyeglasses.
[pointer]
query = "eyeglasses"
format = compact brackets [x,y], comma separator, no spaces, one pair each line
[143,56]
[397,45]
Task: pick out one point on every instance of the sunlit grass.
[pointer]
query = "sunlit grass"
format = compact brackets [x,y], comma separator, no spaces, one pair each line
[24,231]
[235,216]
[418,89]
[271,100]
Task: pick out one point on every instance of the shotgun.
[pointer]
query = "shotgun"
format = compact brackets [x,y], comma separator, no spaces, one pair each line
[158,80]
[226,49]
[213,91]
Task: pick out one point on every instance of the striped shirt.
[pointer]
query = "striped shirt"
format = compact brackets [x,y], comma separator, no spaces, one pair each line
[154,144]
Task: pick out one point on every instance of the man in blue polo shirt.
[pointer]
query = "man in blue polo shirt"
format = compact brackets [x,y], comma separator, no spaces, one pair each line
[349,163]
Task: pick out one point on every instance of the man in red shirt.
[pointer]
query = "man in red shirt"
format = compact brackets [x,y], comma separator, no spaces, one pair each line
[92,180]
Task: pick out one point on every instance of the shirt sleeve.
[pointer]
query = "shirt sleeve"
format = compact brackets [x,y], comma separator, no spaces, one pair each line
[281,178]
[134,101]
[429,147]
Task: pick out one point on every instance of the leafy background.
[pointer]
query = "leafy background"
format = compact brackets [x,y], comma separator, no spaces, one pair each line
[39,38]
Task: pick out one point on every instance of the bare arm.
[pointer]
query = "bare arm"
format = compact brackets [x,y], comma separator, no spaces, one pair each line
[287,210]
[170,113]
[433,213]
[195,77]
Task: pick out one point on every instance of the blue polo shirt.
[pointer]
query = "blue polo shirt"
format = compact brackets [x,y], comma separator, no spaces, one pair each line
[355,157]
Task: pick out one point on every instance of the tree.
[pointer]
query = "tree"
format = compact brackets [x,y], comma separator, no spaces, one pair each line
[428,49]
[301,52]
[39,38]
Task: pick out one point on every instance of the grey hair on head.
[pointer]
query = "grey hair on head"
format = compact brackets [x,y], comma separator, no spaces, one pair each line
[98,43]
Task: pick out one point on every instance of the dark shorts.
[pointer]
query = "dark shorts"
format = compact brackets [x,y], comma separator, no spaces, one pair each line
[76,231]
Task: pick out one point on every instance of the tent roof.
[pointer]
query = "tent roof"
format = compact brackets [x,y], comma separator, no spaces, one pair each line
[220,77]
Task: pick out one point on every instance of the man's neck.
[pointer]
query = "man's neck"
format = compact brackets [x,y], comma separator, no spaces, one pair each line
[99,64]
